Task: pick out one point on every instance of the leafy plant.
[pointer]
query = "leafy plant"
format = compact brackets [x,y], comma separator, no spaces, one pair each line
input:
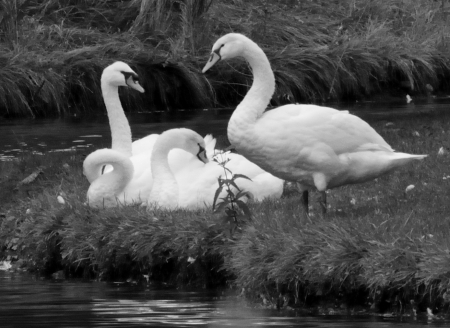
[232,204]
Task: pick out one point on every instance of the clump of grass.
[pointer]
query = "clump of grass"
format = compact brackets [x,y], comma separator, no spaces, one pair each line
[232,203]
[319,51]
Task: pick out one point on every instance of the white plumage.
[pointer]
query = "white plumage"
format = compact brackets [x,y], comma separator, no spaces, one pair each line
[128,177]
[317,147]
[133,181]
[194,185]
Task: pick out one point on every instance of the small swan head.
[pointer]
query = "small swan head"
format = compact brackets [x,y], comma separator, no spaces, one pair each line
[228,46]
[120,74]
[187,140]
[194,143]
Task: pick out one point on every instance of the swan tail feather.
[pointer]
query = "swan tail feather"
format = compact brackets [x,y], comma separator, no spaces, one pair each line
[210,144]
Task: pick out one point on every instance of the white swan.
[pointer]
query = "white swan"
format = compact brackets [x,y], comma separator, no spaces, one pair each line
[317,147]
[195,185]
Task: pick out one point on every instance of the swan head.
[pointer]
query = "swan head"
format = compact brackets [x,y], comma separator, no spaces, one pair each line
[120,74]
[185,139]
[228,46]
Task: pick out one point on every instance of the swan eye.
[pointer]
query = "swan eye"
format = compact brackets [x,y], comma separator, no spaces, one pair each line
[217,52]
[131,76]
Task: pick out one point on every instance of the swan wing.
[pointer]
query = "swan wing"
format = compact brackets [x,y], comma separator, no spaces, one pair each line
[317,127]
[144,145]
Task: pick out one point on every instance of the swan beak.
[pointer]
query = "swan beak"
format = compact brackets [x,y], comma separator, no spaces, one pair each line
[202,156]
[135,85]
[215,57]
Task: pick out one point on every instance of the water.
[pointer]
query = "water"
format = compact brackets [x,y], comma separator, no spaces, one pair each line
[88,133]
[27,301]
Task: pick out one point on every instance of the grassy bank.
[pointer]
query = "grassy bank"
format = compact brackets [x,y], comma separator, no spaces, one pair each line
[53,54]
[379,249]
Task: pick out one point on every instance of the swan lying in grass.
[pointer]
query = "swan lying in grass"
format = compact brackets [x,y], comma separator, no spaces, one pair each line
[316,147]
[133,181]
[194,185]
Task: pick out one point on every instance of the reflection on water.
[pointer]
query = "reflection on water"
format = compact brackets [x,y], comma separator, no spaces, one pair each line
[29,302]
[76,133]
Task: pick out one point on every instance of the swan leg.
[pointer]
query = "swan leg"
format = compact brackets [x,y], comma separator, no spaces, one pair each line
[304,198]
[305,202]
[323,202]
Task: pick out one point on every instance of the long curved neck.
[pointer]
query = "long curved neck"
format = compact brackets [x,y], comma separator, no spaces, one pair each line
[165,187]
[258,97]
[118,122]
[114,181]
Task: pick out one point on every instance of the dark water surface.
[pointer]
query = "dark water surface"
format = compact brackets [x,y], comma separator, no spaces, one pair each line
[26,301]
[63,134]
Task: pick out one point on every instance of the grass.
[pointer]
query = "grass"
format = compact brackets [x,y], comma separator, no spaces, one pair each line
[380,247]
[53,53]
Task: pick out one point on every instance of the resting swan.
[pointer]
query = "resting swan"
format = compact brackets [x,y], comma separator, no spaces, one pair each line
[194,186]
[316,147]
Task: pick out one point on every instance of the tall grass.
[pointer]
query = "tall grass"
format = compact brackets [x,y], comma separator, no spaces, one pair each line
[319,51]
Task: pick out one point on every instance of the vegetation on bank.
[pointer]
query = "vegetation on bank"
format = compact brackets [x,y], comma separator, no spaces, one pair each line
[380,247]
[52,52]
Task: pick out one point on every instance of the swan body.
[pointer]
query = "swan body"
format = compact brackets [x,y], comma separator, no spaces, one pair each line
[194,186]
[129,179]
[316,147]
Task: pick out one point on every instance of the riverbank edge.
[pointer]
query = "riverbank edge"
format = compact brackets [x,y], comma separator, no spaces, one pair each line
[68,84]
[209,270]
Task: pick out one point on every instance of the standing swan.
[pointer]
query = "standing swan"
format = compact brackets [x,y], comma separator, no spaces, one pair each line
[314,146]
[194,186]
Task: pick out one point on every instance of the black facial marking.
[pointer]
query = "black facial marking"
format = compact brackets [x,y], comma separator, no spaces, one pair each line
[133,76]
[201,150]
[217,52]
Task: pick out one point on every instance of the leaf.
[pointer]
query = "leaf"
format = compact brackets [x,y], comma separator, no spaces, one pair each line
[216,194]
[231,213]
[244,193]
[234,185]
[243,206]
[236,176]
[220,207]
[230,194]
[241,194]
